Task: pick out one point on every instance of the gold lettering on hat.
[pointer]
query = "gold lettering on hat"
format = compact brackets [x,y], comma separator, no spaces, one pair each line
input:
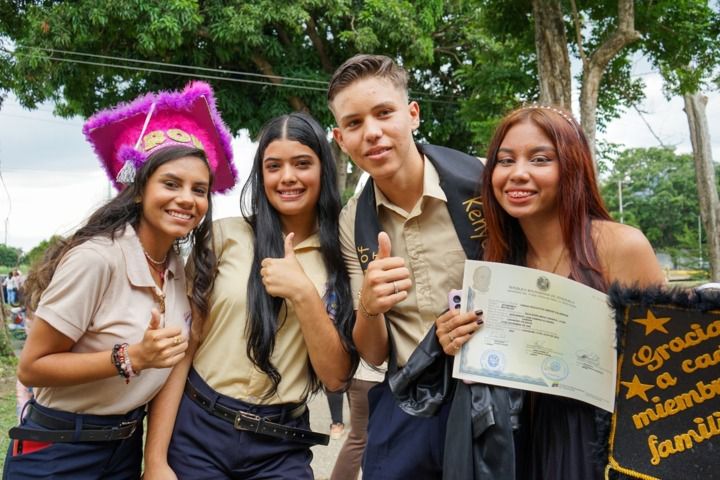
[158,137]
[153,139]
[197,142]
[178,135]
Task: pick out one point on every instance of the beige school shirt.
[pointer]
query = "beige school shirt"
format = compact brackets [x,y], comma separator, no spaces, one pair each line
[425,237]
[221,359]
[102,294]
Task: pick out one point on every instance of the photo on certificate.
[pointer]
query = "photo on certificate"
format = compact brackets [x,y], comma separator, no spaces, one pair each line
[542,332]
[666,422]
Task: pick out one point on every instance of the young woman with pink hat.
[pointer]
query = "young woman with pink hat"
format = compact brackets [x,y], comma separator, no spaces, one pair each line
[113,316]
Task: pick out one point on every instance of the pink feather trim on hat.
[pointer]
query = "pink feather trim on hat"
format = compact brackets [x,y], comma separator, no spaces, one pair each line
[188,118]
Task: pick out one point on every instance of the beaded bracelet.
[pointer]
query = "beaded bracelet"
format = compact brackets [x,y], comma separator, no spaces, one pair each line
[129,371]
[368,315]
[117,358]
[120,357]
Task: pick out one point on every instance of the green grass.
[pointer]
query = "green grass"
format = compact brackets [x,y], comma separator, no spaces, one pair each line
[8,419]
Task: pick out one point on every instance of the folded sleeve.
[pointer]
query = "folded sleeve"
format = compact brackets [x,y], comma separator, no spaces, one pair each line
[71,300]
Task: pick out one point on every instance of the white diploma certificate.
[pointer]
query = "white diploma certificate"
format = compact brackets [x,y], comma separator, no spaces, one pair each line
[542,332]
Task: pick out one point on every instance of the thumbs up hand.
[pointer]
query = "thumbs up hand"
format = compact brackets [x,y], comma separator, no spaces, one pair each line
[387,280]
[284,277]
[384,246]
[160,347]
[154,319]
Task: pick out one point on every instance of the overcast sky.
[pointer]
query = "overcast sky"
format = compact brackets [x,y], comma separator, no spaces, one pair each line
[51,180]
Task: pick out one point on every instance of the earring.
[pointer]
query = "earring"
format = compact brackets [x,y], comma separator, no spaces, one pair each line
[137,199]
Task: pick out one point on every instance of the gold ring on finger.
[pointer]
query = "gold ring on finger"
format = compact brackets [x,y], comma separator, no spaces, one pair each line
[395,287]
[177,340]
[452,339]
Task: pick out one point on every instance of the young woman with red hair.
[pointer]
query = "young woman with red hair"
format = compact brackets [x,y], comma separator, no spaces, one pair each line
[543,210]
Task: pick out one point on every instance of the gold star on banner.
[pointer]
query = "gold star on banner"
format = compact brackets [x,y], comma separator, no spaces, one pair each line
[653,323]
[637,389]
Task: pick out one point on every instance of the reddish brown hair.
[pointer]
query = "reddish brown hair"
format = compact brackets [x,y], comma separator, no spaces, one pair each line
[578,196]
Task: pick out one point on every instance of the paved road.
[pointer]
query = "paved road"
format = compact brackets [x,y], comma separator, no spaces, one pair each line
[324,457]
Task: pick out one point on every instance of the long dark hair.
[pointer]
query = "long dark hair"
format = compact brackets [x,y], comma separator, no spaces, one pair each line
[578,196]
[123,210]
[263,310]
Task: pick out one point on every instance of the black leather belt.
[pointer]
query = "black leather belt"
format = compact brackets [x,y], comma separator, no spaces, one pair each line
[64,430]
[254,423]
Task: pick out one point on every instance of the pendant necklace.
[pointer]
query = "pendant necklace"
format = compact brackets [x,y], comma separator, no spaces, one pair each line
[557,263]
[159,266]
[153,261]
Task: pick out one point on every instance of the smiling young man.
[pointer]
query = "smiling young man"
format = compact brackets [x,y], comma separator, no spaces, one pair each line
[404,238]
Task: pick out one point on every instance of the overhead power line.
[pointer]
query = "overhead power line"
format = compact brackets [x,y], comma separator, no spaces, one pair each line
[177,65]
[191,71]
[47,120]
[180,73]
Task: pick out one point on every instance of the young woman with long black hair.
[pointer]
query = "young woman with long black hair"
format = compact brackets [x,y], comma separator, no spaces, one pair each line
[276,325]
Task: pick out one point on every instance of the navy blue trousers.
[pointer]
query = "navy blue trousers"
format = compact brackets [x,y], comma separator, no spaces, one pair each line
[206,447]
[115,460]
[401,446]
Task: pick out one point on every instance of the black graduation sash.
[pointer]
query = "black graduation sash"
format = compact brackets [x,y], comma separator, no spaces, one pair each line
[460,175]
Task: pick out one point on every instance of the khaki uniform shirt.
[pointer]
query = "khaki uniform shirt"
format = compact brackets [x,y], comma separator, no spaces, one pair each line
[221,359]
[425,237]
[101,294]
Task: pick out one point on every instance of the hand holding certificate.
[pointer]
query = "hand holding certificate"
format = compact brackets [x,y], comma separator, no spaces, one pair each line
[542,332]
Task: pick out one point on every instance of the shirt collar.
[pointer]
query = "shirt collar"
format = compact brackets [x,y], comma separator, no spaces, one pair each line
[431,186]
[136,266]
[311,242]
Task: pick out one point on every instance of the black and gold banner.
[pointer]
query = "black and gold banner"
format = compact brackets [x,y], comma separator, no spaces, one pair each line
[666,422]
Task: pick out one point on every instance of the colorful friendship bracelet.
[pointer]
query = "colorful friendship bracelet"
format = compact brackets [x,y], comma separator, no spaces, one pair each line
[120,357]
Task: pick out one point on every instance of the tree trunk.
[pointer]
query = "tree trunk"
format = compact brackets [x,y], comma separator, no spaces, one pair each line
[705,175]
[553,61]
[348,173]
[264,66]
[341,161]
[594,68]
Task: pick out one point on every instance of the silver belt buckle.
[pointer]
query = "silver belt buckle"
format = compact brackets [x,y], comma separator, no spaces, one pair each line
[254,420]
[131,423]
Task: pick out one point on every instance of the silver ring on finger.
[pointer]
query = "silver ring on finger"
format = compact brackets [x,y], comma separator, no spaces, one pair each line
[395,287]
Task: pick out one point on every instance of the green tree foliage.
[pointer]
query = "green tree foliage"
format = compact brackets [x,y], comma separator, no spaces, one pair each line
[9,256]
[684,44]
[682,40]
[37,252]
[499,73]
[659,196]
[503,69]
[288,50]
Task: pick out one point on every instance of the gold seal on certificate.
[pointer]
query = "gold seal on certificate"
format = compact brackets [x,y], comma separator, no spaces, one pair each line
[542,332]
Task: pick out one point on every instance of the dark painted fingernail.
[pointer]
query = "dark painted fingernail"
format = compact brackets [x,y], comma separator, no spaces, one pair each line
[478,312]
[480,321]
